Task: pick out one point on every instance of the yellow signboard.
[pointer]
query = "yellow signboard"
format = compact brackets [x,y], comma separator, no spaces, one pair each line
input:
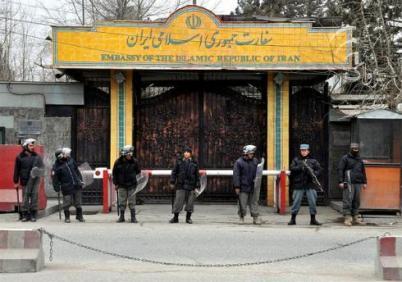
[194,38]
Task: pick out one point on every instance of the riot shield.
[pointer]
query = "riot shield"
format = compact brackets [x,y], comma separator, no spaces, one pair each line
[257,180]
[37,172]
[142,181]
[87,174]
[203,185]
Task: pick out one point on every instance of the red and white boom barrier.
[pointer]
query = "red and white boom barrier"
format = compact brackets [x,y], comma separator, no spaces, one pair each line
[109,194]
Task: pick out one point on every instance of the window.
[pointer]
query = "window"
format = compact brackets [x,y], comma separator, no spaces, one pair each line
[376,138]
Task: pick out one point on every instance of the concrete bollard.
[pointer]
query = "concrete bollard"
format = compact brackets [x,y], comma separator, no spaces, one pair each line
[389,258]
[21,250]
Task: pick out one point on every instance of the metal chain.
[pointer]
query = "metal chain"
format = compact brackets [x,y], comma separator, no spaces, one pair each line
[218,265]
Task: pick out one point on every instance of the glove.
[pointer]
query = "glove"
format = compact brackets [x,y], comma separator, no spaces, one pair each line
[56,188]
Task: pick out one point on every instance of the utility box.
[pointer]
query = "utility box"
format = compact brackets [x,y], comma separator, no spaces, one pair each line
[8,194]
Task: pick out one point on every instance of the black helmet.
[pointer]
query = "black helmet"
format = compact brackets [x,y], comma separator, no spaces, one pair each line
[58,153]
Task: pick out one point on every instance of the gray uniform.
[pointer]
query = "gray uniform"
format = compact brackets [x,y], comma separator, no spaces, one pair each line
[184,196]
[30,194]
[185,176]
[73,199]
[244,173]
[248,199]
[351,199]
[127,196]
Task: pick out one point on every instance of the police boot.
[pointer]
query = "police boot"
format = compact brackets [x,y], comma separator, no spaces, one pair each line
[348,220]
[313,221]
[79,215]
[357,219]
[188,218]
[133,219]
[292,220]
[121,218]
[175,219]
[33,216]
[256,220]
[67,216]
[25,216]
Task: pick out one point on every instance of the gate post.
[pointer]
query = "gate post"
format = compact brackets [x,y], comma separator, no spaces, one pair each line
[105,186]
[282,181]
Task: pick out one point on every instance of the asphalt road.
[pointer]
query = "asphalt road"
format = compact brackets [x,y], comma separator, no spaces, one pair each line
[213,239]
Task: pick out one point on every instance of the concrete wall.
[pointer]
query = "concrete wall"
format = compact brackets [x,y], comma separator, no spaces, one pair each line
[56,134]
[9,118]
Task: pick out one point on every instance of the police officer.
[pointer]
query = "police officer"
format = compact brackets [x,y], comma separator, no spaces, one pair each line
[27,160]
[67,178]
[125,172]
[244,172]
[301,169]
[352,178]
[185,178]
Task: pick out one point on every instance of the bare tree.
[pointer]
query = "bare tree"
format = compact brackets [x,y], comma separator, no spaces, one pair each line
[378,23]
[6,40]
[378,26]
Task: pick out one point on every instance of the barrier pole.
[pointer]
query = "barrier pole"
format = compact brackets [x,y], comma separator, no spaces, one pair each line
[282,209]
[105,187]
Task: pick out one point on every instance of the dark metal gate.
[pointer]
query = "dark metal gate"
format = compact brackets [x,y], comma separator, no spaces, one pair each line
[92,137]
[211,113]
[309,124]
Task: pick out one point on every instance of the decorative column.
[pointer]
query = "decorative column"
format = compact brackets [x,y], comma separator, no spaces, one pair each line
[121,111]
[278,129]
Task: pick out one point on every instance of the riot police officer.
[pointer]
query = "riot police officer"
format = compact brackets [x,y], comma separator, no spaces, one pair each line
[125,172]
[185,178]
[244,173]
[27,161]
[67,178]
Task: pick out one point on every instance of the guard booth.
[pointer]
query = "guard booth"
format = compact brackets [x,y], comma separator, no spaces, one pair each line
[379,133]
[211,82]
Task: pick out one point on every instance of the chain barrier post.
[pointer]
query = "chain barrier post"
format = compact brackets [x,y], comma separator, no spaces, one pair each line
[277,194]
[282,181]
[105,183]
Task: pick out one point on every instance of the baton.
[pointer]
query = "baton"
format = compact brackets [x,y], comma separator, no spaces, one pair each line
[173,192]
[18,203]
[58,200]
[349,186]
[117,201]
